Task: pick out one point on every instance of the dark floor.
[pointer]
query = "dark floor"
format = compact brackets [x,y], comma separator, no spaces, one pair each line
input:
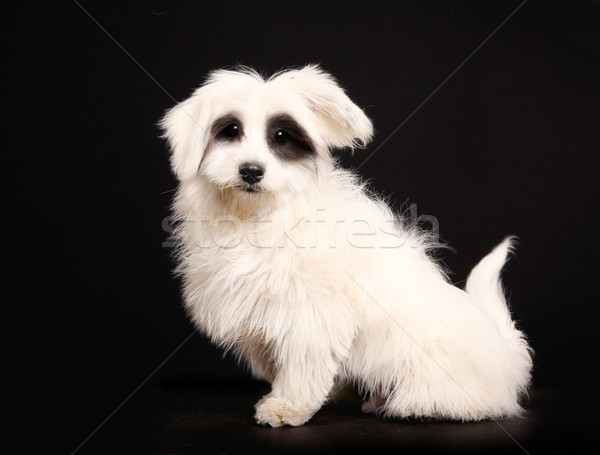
[217,418]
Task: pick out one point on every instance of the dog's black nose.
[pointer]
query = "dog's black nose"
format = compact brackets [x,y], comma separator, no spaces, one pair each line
[252,172]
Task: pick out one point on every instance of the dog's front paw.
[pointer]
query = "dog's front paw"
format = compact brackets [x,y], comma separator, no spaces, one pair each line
[278,412]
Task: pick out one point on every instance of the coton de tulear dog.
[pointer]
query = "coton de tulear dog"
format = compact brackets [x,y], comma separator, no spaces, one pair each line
[289,262]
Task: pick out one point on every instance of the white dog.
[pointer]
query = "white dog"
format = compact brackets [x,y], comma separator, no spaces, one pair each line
[292,264]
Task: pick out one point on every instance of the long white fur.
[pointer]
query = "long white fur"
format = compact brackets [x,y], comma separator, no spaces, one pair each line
[314,281]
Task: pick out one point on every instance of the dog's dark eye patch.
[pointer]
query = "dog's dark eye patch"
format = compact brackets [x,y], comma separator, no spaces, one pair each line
[287,139]
[226,128]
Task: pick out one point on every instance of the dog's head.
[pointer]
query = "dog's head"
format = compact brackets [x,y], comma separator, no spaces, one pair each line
[250,136]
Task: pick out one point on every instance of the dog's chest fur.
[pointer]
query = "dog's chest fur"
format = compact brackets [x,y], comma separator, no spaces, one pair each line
[261,275]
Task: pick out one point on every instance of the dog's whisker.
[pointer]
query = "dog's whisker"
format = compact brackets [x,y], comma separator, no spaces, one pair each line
[167,191]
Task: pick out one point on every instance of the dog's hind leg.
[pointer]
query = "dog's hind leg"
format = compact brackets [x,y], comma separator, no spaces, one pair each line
[373,404]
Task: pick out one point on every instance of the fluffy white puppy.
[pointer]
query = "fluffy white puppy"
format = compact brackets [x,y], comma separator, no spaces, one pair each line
[288,261]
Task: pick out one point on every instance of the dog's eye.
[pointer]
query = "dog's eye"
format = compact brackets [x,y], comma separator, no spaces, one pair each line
[231,130]
[281,137]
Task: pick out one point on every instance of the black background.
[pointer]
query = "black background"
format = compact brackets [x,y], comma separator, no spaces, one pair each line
[507,143]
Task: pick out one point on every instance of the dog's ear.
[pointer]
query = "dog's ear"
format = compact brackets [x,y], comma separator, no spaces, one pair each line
[185,126]
[342,123]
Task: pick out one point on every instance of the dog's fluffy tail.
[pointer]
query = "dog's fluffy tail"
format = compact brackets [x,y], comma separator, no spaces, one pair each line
[485,286]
